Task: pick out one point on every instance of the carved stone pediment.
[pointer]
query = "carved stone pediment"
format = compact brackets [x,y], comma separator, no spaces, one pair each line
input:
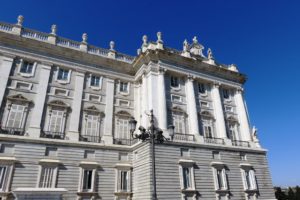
[93,109]
[58,103]
[206,114]
[18,97]
[123,113]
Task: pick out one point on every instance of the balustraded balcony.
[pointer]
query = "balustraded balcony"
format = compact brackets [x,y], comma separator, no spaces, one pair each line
[184,137]
[90,138]
[240,143]
[53,135]
[213,140]
[12,131]
[122,141]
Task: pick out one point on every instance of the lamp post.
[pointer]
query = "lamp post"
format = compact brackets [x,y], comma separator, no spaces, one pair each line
[153,134]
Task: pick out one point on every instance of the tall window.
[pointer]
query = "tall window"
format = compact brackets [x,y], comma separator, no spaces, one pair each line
[179,122]
[48,177]
[124,87]
[249,179]
[63,74]
[123,180]
[233,130]
[175,82]
[92,125]
[122,125]
[95,81]
[15,116]
[87,180]
[26,67]
[56,121]
[186,173]
[4,171]
[207,125]
[220,178]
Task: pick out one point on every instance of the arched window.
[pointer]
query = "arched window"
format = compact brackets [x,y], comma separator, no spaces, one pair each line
[92,125]
[15,114]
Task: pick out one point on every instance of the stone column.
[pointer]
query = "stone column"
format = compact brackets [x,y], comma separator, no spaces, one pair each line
[242,114]
[34,129]
[152,78]
[219,114]
[109,111]
[192,109]
[73,132]
[161,96]
[144,99]
[5,68]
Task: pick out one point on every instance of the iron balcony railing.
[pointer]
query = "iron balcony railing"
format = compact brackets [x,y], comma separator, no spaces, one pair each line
[53,135]
[121,141]
[240,143]
[90,138]
[184,137]
[12,131]
[213,140]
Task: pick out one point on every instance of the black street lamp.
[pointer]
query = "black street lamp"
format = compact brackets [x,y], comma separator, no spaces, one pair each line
[153,134]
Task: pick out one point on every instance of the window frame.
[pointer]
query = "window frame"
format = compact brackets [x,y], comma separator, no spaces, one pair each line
[182,121]
[95,87]
[251,178]
[63,81]
[9,163]
[187,164]
[26,74]
[85,166]
[119,87]
[223,186]
[123,167]
[48,163]
[172,80]
[205,93]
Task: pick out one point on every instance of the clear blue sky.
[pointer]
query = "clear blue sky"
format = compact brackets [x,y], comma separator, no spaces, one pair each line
[261,37]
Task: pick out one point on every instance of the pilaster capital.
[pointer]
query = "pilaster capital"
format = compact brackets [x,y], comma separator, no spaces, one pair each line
[190,77]
[239,90]
[217,84]
[162,70]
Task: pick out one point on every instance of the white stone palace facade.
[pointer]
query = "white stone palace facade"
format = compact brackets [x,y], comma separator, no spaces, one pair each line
[65,111]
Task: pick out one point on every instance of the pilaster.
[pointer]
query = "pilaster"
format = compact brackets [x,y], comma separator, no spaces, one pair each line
[34,129]
[192,109]
[144,100]
[162,105]
[219,113]
[73,132]
[137,102]
[109,110]
[242,115]
[5,68]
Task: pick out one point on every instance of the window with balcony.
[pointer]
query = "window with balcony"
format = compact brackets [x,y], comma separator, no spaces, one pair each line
[92,125]
[55,120]
[15,114]
[175,82]
[179,122]
[122,133]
